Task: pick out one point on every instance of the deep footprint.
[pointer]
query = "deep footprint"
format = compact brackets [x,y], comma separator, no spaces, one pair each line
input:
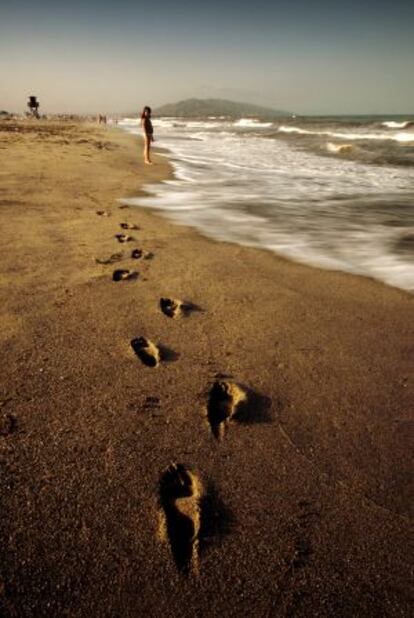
[137,254]
[8,424]
[180,495]
[103,213]
[123,238]
[223,401]
[115,257]
[147,352]
[129,226]
[123,275]
[171,307]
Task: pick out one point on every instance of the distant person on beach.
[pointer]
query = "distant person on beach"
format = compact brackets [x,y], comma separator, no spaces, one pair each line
[148,129]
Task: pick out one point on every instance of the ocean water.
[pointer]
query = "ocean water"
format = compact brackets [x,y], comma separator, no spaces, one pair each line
[334,192]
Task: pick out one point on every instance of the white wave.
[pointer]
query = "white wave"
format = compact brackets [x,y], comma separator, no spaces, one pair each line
[335,148]
[125,121]
[201,124]
[391,124]
[398,137]
[284,129]
[162,122]
[251,122]
[404,137]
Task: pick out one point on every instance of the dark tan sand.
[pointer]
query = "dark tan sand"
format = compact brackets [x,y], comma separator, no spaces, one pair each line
[304,507]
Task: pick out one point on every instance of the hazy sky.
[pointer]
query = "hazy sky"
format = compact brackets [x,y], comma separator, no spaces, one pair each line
[306,56]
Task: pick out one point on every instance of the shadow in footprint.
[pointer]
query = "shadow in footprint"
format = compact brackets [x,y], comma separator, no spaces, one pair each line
[167,354]
[180,491]
[103,213]
[256,408]
[124,275]
[192,307]
[147,352]
[217,520]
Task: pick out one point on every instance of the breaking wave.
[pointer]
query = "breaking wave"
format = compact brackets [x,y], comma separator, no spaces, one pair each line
[399,137]
[252,123]
[392,124]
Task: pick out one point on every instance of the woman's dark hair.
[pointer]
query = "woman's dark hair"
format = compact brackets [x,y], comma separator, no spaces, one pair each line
[146,109]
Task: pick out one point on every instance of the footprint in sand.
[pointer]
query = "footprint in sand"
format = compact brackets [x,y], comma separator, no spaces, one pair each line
[123,238]
[137,254]
[129,226]
[152,403]
[147,351]
[173,307]
[223,402]
[180,495]
[8,424]
[103,213]
[115,257]
[124,275]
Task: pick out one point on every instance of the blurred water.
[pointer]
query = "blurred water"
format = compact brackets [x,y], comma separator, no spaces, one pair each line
[332,193]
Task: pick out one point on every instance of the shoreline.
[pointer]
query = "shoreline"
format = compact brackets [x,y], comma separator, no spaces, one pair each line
[278,256]
[309,497]
[163,214]
[370,246]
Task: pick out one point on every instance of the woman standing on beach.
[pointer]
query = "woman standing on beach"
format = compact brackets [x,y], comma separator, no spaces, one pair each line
[148,129]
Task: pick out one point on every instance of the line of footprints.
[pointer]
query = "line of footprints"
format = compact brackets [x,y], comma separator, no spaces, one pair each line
[189,513]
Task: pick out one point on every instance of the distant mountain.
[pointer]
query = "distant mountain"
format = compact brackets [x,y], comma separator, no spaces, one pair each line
[216,107]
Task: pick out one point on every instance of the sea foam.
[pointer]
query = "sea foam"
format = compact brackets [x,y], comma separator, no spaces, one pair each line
[392,124]
[252,123]
[338,148]
[399,137]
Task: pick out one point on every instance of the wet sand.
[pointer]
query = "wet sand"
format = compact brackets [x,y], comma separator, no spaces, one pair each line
[293,498]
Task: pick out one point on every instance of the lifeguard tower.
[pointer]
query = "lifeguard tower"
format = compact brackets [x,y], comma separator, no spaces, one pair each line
[33,105]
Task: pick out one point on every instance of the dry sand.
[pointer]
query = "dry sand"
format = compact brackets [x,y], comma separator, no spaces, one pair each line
[299,508]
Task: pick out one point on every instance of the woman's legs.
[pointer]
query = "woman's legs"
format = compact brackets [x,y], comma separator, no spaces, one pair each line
[147,142]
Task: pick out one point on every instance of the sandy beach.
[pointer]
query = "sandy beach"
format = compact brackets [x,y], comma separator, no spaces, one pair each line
[298,503]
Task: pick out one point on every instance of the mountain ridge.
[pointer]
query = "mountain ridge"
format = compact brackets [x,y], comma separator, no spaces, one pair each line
[194,107]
